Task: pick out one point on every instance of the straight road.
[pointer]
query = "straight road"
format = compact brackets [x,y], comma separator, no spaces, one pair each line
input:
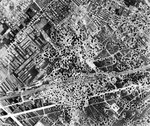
[24,112]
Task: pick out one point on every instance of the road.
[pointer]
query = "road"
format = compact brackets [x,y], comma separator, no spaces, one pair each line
[32,91]
[134,70]
[24,112]
[12,116]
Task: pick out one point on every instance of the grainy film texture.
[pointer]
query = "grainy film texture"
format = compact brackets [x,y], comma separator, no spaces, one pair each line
[74,62]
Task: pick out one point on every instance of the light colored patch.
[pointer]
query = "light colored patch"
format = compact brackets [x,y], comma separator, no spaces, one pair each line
[91,64]
[148,2]
[39,124]
[3,53]
[1,28]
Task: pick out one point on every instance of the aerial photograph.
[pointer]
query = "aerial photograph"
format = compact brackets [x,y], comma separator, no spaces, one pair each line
[74,62]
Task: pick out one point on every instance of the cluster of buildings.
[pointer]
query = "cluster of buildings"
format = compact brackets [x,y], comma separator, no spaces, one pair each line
[25,42]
